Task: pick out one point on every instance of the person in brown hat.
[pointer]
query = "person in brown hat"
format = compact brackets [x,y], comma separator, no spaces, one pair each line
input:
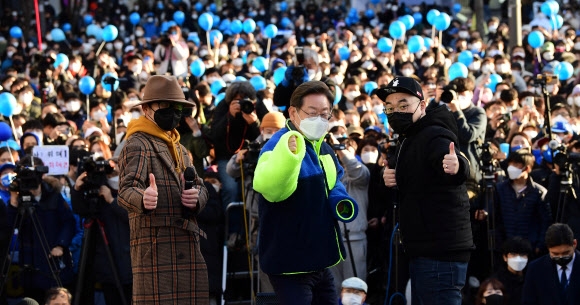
[162,203]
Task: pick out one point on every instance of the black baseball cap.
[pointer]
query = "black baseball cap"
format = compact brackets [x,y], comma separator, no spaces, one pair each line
[400,84]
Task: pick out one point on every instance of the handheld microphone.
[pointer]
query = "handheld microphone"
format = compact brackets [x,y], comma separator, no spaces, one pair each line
[189,177]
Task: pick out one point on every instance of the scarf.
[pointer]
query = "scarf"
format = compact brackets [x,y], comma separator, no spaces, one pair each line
[171,138]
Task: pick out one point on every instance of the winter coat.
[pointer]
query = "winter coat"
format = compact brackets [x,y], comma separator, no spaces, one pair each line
[168,267]
[178,58]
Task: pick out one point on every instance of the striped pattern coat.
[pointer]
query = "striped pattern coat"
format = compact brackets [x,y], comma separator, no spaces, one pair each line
[167,264]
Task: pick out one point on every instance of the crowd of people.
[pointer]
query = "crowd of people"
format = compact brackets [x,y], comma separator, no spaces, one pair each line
[512,123]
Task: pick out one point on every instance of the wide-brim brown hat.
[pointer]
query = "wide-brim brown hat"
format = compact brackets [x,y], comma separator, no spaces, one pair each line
[164,88]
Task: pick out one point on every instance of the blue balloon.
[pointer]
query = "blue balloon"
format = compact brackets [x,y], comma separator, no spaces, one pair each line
[240,79]
[353,12]
[7,104]
[135,18]
[220,97]
[375,2]
[283,6]
[397,29]
[550,8]
[61,60]
[285,22]
[205,21]
[260,63]
[557,21]
[87,85]
[94,30]
[428,42]
[494,79]
[408,21]
[67,27]
[432,15]
[271,31]
[385,45]
[164,27]
[344,53]
[241,42]
[442,22]
[337,94]
[217,85]
[88,19]
[258,82]
[249,26]
[456,8]
[213,34]
[536,39]
[370,13]
[171,23]
[465,57]
[225,25]
[415,44]
[418,17]
[564,70]
[110,33]
[5,133]
[179,17]
[16,32]
[279,75]
[57,35]
[199,7]
[457,70]
[236,27]
[213,7]
[197,68]
[260,24]
[370,86]
[216,19]
[107,87]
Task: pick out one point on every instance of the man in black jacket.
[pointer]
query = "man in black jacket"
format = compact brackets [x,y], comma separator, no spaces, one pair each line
[430,175]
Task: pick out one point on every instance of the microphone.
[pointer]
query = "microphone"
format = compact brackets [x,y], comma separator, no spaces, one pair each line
[189,177]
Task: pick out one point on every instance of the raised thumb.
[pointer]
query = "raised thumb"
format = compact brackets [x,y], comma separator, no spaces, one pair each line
[452,148]
[152,182]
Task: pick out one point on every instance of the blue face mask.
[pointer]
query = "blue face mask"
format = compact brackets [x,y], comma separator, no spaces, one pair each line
[7,179]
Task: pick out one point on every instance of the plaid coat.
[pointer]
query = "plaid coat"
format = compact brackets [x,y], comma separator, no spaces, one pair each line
[167,264]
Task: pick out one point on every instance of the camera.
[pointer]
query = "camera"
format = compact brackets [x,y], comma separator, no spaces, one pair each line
[253,152]
[26,180]
[340,146]
[545,79]
[564,158]
[449,94]
[298,71]
[247,106]
[164,40]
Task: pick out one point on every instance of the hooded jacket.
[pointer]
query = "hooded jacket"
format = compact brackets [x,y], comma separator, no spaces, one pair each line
[434,207]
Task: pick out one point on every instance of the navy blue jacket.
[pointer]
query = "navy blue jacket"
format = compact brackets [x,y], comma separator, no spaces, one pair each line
[57,221]
[527,216]
[542,285]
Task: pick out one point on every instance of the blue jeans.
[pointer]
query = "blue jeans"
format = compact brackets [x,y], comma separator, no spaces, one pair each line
[436,282]
[305,288]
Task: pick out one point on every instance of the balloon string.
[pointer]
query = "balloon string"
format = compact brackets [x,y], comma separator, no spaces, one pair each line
[14,129]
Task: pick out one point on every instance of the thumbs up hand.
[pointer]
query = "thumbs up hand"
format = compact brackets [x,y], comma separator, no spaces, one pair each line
[150,195]
[450,161]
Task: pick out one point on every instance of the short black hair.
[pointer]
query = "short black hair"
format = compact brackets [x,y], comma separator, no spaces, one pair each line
[522,156]
[559,234]
[32,125]
[308,88]
[517,245]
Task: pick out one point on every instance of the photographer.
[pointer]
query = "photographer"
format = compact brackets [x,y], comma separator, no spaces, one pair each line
[471,124]
[305,69]
[94,197]
[172,53]
[39,198]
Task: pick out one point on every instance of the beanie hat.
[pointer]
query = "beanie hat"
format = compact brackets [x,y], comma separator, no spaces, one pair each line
[273,120]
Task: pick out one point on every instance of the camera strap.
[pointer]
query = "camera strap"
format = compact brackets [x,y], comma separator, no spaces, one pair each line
[170,61]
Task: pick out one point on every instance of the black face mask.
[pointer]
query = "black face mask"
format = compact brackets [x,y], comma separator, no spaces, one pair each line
[494,299]
[168,118]
[562,260]
[401,121]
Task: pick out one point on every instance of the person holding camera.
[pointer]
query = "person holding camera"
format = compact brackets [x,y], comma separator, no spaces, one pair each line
[47,222]
[94,197]
[303,198]
[172,53]
[429,175]
[163,194]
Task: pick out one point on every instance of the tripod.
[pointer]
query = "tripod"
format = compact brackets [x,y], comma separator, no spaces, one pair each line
[85,252]
[566,189]
[489,182]
[26,208]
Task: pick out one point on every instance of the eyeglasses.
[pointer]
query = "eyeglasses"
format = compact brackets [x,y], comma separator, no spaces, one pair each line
[325,116]
[165,105]
[401,108]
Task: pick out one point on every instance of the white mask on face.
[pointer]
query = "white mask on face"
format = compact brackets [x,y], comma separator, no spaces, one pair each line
[137,69]
[73,106]
[351,95]
[378,109]
[313,128]
[514,172]
[351,299]
[464,101]
[474,66]
[428,62]
[139,33]
[517,263]
[113,182]
[486,69]
[98,115]
[531,133]
[369,157]
[407,72]
[135,115]
[313,74]
[549,56]
[492,28]
[267,136]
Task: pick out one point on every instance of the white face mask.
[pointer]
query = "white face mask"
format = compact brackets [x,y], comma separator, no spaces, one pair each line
[428,62]
[223,52]
[351,299]
[378,109]
[474,66]
[26,98]
[486,69]
[313,128]
[464,101]
[98,115]
[514,172]
[549,56]
[139,33]
[311,40]
[113,182]
[369,157]
[267,136]
[502,69]
[351,95]
[211,79]
[492,28]
[136,69]
[407,72]
[531,133]
[517,263]
[135,115]
[73,106]
[577,46]
[312,74]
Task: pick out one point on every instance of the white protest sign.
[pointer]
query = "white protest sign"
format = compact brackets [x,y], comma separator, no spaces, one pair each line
[56,157]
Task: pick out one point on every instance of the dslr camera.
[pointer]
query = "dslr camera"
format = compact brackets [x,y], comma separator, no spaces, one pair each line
[253,152]
[545,79]
[449,93]
[298,71]
[97,171]
[247,106]
[26,180]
